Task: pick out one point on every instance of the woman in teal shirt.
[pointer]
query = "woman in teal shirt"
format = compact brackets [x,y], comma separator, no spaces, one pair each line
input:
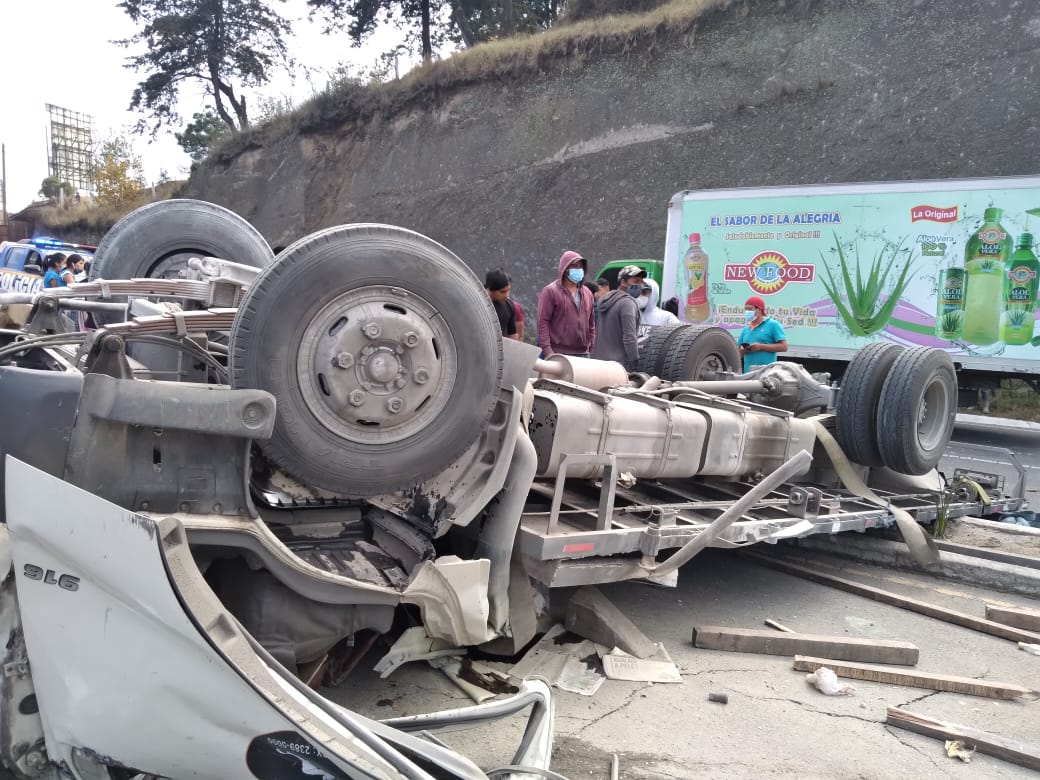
[762,337]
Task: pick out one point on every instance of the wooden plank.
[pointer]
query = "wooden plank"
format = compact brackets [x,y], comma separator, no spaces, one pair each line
[753,640]
[1009,750]
[1019,618]
[903,602]
[913,678]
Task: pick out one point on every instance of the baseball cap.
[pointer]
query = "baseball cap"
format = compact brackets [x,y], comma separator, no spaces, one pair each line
[631,270]
[755,301]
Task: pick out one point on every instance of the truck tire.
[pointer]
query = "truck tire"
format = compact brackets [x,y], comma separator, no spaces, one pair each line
[382,350]
[653,350]
[155,241]
[917,410]
[857,404]
[697,352]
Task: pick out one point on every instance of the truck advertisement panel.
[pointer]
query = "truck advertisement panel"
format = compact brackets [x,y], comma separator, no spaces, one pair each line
[948,264]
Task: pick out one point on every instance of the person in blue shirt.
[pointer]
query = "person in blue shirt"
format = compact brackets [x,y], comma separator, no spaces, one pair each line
[52,277]
[762,337]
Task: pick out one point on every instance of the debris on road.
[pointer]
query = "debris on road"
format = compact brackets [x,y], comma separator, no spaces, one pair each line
[778,626]
[895,599]
[414,645]
[1031,649]
[591,614]
[721,698]
[991,744]
[1029,619]
[826,682]
[955,748]
[618,665]
[913,679]
[565,660]
[751,640]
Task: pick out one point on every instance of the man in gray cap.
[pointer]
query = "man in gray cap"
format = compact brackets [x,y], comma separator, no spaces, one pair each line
[619,320]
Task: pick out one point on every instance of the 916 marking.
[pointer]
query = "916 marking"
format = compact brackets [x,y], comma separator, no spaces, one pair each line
[50,577]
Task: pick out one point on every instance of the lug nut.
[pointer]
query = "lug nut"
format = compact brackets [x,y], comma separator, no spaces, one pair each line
[410,339]
[421,376]
[371,329]
[356,397]
[343,360]
[394,405]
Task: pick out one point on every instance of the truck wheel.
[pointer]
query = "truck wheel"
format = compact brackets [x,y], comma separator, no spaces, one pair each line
[652,352]
[917,410]
[155,241]
[382,350]
[856,408]
[696,353]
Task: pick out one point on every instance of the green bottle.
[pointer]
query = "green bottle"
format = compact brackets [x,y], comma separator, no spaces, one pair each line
[950,311]
[984,257]
[1021,272]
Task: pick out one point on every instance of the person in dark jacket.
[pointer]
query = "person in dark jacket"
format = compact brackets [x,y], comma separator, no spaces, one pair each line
[565,323]
[619,320]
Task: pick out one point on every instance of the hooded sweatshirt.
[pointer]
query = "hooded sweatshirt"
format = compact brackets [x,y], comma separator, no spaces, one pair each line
[652,316]
[566,326]
[618,324]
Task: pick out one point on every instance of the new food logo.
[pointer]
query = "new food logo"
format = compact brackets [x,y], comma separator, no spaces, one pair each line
[934,213]
[769,272]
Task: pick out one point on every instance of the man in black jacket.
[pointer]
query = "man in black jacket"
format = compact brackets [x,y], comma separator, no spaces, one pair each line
[619,320]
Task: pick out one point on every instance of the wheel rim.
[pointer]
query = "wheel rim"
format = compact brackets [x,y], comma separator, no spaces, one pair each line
[932,414]
[376,364]
[708,366]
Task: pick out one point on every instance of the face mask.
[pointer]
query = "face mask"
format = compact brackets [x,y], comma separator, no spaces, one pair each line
[634,290]
[575,274]
[749,316]
[643,302]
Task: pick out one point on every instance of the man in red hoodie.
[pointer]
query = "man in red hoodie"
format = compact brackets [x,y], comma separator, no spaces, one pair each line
[565,311]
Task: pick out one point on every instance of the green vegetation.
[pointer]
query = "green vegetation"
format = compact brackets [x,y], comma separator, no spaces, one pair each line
[1018,316]
[1017,399]
[222,45]
[505,60]
[862,309]
[199,135]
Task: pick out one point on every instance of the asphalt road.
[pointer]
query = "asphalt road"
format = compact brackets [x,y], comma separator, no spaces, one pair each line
[775,724]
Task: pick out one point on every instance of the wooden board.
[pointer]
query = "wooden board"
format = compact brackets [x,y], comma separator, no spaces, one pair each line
[903,602]
[991,744]
[753,640]
[1019,618]
[912,678]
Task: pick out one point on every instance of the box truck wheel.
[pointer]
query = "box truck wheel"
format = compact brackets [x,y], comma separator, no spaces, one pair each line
[917,410]
[382,350]
[857,404]
[156,241]
[697,353]
[653,350]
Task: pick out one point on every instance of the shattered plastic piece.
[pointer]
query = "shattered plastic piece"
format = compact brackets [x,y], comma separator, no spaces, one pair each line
[626,479]
[1032,649]
[826,682]
[564,664]
[414,645]
[955,748]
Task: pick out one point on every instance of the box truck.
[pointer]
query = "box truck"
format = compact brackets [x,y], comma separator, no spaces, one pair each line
[948,264]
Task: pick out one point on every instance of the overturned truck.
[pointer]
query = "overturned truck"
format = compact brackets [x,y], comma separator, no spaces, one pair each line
[253,460]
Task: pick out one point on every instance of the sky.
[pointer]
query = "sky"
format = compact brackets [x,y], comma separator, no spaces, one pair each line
[60,52]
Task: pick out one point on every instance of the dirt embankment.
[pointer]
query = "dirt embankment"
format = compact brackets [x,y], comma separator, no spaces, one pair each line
[587,152]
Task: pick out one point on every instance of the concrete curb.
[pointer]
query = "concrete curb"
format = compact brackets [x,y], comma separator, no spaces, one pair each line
[955,567]
[983,422]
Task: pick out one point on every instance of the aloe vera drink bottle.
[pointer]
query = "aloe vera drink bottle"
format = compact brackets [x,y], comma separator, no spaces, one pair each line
[695,261]
[1020,283]
[950,314]
[984,257]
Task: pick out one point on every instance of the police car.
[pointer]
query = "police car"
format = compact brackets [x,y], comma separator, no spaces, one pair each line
[21,262]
